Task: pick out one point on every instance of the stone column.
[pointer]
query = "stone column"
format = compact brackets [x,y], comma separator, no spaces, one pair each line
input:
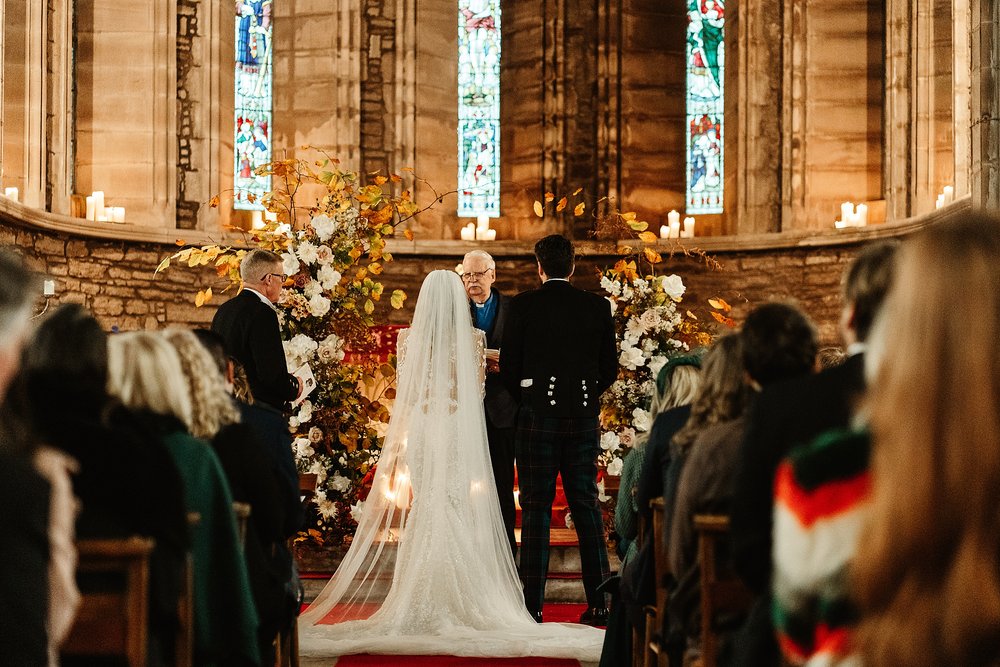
[985,43]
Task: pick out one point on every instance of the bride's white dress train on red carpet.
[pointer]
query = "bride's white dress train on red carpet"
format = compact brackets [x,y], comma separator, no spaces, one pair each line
[430,570]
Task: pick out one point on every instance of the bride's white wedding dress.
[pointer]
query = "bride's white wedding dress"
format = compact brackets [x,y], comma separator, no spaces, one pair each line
[430,570]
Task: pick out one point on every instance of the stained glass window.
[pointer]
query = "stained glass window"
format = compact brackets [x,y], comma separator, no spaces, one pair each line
[252,116]
[478,107]
[705,66]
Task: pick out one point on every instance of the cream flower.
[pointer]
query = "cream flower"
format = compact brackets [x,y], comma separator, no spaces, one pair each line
[615,467]
[319,305]
[357,509]
[329,276]
[339,483]
[315,434]
[631,357]
[650,319]
[324,226]
[289,263]
[627,437]
[307,252]
[324,255]
[673,286]
[610,441]
[641,419]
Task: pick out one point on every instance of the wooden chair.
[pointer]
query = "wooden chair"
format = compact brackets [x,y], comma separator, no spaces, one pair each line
[307,486]
[184,646]
[722,593]
[287,647]
[242,513]
[113,621]
[655,645]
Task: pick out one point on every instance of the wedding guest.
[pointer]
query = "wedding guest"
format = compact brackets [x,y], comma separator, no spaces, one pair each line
[249,325]
[24,493]
[257,470]
[145,372]
[489,309]
[926,570]
[778,343]
[65,374]
[792,413]
[829,357]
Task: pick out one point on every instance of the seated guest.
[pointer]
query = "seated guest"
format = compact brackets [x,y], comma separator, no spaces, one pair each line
[65,369]
[778,343]
[926,575]
[24,493]
[787,414]
[146,374]
[829,357]
[677,383]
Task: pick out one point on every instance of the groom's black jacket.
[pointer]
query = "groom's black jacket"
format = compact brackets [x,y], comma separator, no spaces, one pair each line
[563,340]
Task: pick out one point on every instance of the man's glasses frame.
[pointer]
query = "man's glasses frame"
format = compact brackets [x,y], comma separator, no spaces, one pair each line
[474,275]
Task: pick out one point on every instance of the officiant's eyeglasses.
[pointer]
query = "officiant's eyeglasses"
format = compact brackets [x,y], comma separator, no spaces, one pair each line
[281,276]
[474,275]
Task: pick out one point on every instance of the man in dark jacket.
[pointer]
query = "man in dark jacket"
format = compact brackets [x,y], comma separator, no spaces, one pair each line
[489,313]
[558,356]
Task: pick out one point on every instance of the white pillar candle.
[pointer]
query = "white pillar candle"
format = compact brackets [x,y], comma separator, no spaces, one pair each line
[49,288]
[491,235]
[98,196]
[102,215]
[119,214]
[673,216]
[482,222]
[840,224]
[256,219]
[847,212]
[862,215]
[664,232]
[468,232]
[91,209]
[940,201]
[11,193]
[270,216]
[689,227]
[675,229]
[949,194]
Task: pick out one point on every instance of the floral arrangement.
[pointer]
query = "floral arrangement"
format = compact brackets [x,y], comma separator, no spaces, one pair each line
[333,252]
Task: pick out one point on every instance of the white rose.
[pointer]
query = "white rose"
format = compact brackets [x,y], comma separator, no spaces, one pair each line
[627,437]
[289,263]
[626,292]
[357,510]
[303,448]
[312,288]
[656,364]
[324,255]
[315,434]
[339,483]
[307,252]
[649,319]
[673,286]
[319,305]
[305,412]
[329,276]
[329,350]
[631,358]
[641,419]
[615,467]
[324,226]
[610,441]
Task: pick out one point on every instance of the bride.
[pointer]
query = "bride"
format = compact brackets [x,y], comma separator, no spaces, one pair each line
[430,570]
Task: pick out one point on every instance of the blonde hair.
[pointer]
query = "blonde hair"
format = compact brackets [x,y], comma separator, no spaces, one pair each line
[144,372]
[723,392]
[926,574]
[685,381]
[211,406]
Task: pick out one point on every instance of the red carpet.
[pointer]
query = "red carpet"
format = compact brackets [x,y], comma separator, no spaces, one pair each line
[449,661]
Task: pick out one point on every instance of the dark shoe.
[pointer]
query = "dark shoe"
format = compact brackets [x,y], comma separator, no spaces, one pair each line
[596,616]
[537,615]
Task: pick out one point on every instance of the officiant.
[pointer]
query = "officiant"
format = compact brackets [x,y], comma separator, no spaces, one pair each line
[489,311]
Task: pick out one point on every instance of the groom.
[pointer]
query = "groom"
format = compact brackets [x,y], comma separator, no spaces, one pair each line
[558,355]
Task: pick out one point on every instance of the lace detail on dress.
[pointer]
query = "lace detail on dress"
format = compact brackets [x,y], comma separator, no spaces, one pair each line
[481,357]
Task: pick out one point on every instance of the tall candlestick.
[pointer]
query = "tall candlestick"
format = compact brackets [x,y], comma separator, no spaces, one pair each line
[11,193]
[256,219]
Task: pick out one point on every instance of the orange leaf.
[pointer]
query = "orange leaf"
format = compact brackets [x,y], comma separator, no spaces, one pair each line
[577,191]
[652,256]
[379,180]
[409,169]
[408,234]
[214,201]
[562,204]
[179,242]
[728,321]
[648,237]
[538,209]
[578,211]
[395,178]
[549,197]
[720,304]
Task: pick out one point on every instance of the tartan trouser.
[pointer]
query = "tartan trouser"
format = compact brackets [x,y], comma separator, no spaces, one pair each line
[545,447]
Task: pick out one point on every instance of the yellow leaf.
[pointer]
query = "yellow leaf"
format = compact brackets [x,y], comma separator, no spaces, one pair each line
[720,304]
[395,178]
[628,217]
[549,197]
[638,225]
[578,211]
[369,306]
[214,201]
[409,169]
[163,265]
[397,299]
[379,180]
[648,237]
[691,315]
[562,204]
[577,191]
[538,208]
[375,268]
[408,234]
[728,321]
[202,297]
[652,256]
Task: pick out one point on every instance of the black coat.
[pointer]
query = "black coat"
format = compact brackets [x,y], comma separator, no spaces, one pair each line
[500,406]
[563,340]
[253,337]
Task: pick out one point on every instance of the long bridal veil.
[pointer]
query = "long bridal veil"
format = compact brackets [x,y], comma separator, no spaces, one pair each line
[429,570]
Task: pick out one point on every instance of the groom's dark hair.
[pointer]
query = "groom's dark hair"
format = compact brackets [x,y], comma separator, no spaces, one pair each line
[555,255]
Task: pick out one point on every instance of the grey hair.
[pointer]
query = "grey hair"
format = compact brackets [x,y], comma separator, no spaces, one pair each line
[255,264]
[145,372]
[482,254]
[18,291]
[211,406]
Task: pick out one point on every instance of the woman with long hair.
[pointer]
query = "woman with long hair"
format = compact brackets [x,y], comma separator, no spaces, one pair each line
[927,571]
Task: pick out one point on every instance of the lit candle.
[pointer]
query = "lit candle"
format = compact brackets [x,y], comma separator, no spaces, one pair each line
[119,214]
[270,216]
[11,193]
[490,235]
[256,219]
[940,201]
[98,196]
[664,232]
[102,215]
[91,209]
[468,232]
[482,222]
[862,215]
[49,288]
[949,194]
[673,216]
[689,227]
[840,224]
[847,212]
[675,229]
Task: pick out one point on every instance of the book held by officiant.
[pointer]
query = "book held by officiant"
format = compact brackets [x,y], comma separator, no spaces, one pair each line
[305,374]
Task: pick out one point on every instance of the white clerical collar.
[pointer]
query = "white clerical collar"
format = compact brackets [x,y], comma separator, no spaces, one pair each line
[483,304]
[552,280]
[856,348]
[259,295]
